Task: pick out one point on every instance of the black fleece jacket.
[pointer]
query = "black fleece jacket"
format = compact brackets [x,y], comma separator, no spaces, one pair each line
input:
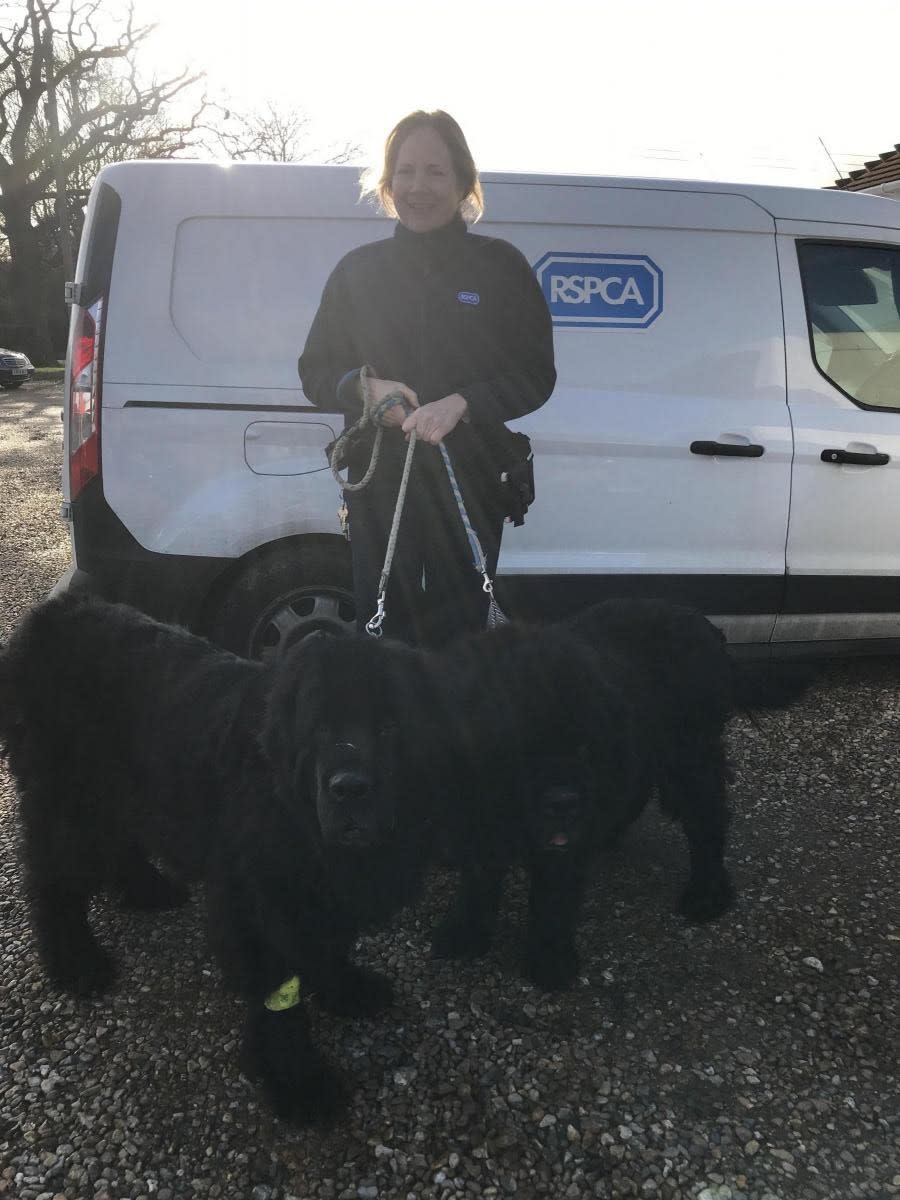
[445,311]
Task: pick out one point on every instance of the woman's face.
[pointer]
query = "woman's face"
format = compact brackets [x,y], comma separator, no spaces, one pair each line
[424,186]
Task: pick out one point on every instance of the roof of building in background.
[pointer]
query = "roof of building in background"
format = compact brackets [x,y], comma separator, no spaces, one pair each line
[883,169]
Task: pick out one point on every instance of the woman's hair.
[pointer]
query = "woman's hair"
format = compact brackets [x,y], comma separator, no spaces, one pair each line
[453,138]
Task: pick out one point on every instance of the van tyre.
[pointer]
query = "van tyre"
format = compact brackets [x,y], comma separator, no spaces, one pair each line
[283,597]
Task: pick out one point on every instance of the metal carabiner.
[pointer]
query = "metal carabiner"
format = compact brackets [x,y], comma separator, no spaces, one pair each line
[373,625]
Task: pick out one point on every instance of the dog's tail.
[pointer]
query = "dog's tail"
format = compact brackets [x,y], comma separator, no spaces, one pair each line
[770,685]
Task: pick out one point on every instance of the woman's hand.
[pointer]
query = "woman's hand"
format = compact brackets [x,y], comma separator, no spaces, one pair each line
[432,422]
[380,388]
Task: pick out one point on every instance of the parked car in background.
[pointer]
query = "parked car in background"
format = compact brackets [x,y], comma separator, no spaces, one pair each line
[15,369]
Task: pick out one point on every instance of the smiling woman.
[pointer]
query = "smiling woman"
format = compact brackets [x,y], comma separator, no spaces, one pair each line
[425,190]
[428,176]
[457,326]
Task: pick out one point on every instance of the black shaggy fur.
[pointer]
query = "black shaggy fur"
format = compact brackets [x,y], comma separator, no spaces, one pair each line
[568,731]
[136,745]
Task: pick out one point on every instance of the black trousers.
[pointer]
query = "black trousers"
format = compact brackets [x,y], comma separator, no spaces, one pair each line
[434,592]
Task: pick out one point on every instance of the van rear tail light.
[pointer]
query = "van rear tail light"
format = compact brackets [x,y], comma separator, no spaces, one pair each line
[84,398]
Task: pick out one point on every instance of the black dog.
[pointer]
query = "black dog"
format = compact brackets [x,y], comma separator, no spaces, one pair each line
[544,745]
[135,743]
[568,731]
[683,686]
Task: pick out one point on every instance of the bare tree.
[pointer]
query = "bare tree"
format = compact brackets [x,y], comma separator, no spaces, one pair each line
[273,133]
[71,100]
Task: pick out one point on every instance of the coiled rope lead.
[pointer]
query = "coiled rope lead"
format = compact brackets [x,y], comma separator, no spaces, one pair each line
[371,415]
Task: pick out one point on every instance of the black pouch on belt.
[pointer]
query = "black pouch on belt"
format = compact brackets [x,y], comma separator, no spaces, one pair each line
[517,476]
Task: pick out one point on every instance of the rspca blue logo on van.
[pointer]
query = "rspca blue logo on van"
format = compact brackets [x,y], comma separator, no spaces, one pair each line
[468,297]
[601,291]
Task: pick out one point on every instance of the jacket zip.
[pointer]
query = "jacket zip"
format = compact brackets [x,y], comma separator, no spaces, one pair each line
[421,329]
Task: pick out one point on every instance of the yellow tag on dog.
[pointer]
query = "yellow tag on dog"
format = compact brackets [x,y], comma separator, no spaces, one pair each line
[286,996]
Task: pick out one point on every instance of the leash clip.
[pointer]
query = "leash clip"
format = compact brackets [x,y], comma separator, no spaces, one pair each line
[373,625]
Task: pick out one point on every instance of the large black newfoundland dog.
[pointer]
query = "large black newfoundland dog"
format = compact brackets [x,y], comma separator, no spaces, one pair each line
[564,734]
[137,746]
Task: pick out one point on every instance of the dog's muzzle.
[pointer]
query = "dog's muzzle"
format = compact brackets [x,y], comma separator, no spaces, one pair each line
[349,785]
[350,819]
[561,809]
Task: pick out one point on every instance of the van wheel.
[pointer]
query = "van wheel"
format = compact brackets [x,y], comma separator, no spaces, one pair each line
[282,598]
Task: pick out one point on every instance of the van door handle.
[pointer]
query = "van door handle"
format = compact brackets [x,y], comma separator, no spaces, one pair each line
[728,449]
[856,457]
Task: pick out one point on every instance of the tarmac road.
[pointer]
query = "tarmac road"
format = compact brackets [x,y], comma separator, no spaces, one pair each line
[755,1059]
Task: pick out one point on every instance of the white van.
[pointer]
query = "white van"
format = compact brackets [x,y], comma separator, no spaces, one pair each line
[725,428]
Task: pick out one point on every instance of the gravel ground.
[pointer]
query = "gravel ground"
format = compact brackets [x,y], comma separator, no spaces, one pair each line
[753,1060]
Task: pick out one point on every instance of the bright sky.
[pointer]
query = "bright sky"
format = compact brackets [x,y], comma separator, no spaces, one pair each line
[691,88]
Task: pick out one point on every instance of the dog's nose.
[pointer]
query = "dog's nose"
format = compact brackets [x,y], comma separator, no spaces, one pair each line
[347,785]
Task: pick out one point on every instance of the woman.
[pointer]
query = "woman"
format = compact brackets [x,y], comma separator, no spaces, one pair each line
[457,324]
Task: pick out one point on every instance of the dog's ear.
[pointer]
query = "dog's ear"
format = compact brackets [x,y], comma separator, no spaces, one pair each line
[287,726]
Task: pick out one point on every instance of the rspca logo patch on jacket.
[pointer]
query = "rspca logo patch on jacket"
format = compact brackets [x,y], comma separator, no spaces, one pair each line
[601,291]
[468,297]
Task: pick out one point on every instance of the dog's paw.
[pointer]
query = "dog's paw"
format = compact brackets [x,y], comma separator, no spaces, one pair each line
[91,972]
[358,992]
[153,893]
[552,970]
[318,1098]
[452,938]
[299,1083]
[706,899]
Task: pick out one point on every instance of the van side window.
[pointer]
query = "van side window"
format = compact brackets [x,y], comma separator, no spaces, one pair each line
[853,309]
